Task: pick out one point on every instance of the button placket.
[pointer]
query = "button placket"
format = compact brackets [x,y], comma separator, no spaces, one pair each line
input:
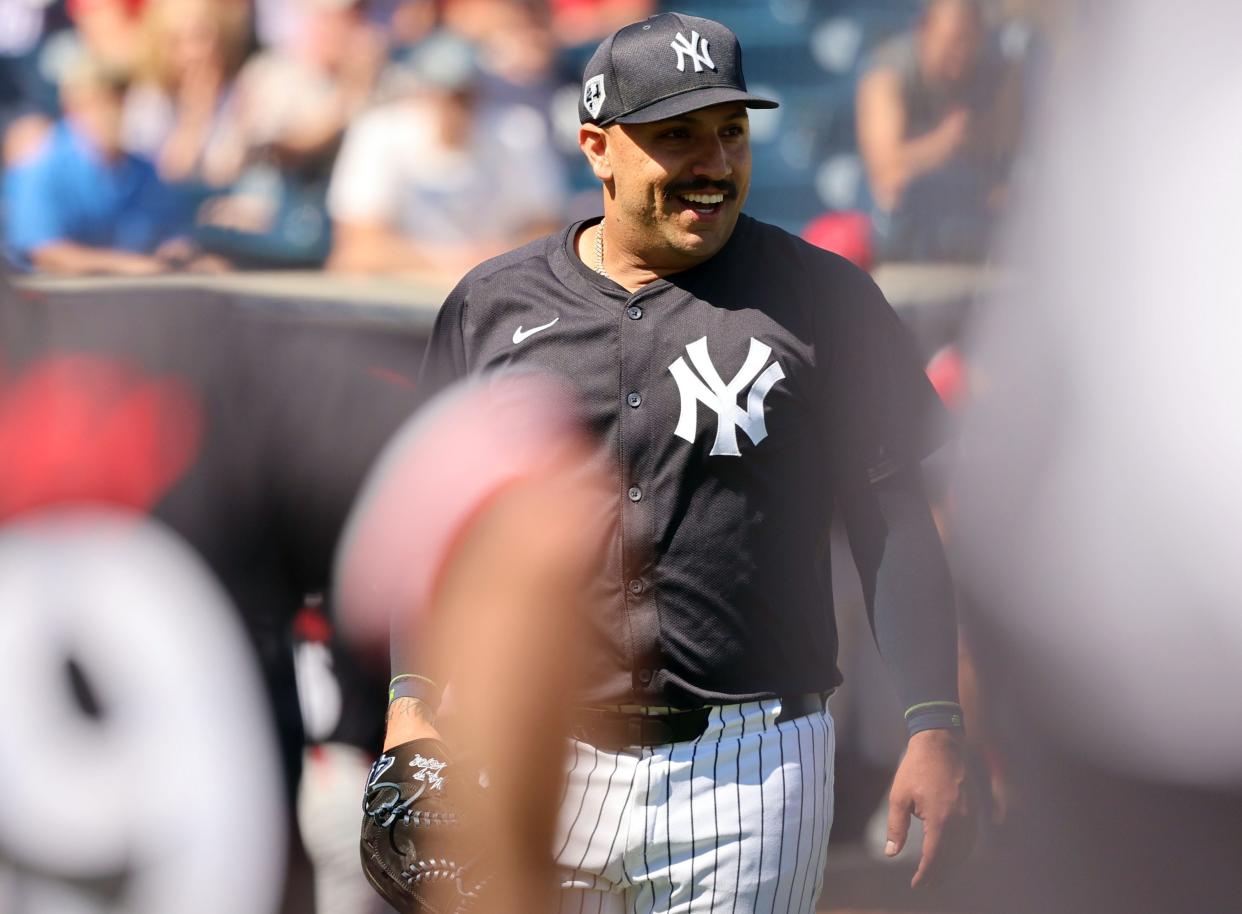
[637,368]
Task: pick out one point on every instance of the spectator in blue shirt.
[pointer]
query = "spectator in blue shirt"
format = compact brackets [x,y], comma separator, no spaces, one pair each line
[77,203]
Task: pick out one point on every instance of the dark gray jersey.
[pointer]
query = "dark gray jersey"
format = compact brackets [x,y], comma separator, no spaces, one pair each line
[737,398]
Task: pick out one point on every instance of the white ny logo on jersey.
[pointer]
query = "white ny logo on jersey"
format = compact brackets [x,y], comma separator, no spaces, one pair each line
[722,397]
[695,49]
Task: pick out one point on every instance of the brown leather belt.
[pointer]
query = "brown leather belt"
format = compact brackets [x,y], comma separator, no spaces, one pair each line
[608,729]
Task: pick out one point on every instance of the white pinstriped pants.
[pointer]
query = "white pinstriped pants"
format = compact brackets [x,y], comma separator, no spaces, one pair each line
[735,822]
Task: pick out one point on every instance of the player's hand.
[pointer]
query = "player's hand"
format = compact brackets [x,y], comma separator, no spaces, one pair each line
[931,784]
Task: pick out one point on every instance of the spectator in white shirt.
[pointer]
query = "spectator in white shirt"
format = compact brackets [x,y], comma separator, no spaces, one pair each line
[433,182]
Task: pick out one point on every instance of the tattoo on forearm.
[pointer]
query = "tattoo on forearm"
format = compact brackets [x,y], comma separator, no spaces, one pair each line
[406,708]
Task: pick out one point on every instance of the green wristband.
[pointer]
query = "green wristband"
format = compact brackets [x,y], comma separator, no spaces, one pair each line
[934,715]
[420,688]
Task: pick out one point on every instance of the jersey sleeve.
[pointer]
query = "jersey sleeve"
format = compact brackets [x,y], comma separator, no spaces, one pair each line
[884,417]
[882,413]
[444,360]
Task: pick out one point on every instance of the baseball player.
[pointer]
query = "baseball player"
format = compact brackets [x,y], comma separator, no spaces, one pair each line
[231,440]
[746,385]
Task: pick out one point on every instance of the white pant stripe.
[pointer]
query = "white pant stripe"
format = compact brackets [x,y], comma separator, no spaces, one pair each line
[602,803]
[790,877]
[578,749]
[623,823]
[737,784]
[808,876]
[763,833]
[737,826]
[826,747]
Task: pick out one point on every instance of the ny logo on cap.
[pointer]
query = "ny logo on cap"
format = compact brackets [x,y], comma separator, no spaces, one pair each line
[593,94]
[695,49]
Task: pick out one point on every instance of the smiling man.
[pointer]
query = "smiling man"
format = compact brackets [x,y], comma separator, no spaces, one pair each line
[746,385]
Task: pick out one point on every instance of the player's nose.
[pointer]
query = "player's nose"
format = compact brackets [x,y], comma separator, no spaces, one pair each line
[713,160]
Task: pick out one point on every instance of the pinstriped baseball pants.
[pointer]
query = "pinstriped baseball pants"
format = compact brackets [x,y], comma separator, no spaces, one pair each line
[735,822]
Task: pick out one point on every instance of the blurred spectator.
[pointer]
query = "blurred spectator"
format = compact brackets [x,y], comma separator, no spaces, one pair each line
[472,19]
[518,57]
[937,124]
[406,21]
[435,181]
[109,30]
[290,110]
[24,28]
[277,22]
[45,45]
[580,22]
[175,114]
[527,76]
[294,100]
[81,204]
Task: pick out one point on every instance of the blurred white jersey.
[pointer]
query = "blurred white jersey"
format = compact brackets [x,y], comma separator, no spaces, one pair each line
[1102,491]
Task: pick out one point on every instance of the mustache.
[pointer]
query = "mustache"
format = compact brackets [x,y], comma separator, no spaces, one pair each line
[703,186]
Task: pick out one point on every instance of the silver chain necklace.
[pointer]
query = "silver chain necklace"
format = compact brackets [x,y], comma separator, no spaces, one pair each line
[599,249]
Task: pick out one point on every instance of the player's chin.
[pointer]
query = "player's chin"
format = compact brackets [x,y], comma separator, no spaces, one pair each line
[703,241]
[704,233]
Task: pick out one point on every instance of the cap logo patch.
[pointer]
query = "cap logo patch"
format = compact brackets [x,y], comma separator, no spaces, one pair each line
[593,94]
[695,48]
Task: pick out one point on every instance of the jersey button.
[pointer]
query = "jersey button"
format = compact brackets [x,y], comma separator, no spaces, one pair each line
[636,493]
[636,586]
[635,313]
[645,676]
[635,399]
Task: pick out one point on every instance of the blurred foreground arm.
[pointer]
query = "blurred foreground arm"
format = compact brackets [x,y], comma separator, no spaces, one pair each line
[482,529]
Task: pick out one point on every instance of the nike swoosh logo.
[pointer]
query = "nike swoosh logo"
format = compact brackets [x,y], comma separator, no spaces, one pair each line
[519,334]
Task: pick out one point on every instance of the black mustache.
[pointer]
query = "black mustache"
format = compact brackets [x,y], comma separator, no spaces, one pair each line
[703,186]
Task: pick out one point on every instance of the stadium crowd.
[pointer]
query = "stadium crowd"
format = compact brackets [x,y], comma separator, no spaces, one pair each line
[421,136]
[147,135]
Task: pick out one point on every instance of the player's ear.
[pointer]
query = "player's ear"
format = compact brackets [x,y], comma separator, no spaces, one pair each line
[593,141]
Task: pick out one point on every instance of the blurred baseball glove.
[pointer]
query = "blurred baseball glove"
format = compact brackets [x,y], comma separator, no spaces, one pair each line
[418,848]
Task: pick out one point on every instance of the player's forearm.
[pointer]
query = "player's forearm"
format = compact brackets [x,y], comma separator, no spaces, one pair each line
[910,597]
[409,719]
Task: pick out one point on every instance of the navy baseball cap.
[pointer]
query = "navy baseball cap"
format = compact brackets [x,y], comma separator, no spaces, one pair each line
[662,67]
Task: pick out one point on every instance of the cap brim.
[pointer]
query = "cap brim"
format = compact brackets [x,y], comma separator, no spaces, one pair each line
[693,100]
